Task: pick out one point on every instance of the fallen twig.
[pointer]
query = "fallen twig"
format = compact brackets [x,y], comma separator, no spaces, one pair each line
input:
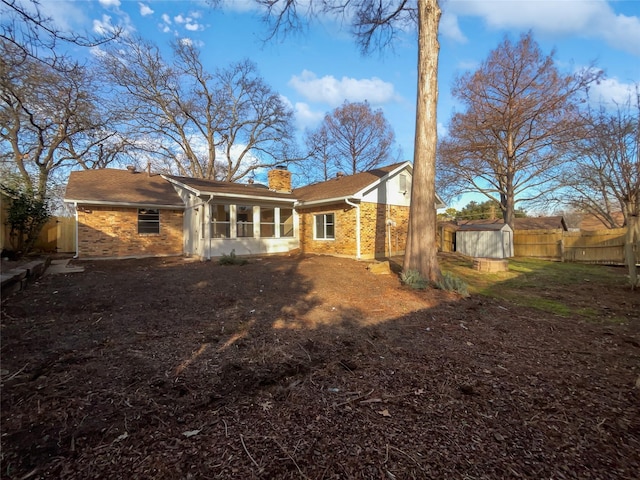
[288,455]
[408,455]
[15,374]
[247,451]
[352,399]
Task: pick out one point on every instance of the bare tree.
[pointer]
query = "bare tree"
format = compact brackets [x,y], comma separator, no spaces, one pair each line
[320,165]
[521,116]
[47,115]
[375,24]
[222,125]
[35,35]
[357,137]
[606,175]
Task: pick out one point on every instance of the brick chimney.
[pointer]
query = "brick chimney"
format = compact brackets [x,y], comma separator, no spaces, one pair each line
[279,179]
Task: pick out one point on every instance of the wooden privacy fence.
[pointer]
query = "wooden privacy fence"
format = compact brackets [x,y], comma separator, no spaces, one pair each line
[57,236]
[601,246]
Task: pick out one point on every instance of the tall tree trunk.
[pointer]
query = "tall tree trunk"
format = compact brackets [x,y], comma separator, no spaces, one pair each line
[421,249]
[632,243]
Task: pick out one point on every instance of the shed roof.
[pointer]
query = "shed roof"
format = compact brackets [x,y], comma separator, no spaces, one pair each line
[483,227]
[525,223]
[120,187]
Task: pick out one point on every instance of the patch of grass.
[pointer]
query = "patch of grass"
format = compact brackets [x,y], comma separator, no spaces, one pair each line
[413,279]
[232,259]
[452,283]
[533,282]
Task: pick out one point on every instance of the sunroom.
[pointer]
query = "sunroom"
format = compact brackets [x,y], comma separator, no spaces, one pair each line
[246,219]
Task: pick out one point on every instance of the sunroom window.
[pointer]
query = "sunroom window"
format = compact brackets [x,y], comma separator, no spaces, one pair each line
[286,222]
[244,220]
[220,221]
[267,222]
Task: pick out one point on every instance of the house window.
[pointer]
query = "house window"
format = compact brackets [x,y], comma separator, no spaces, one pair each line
[324,226]
[402,178]
[267,222]
[244,221]
[220,221]
[286,222]
[148,221]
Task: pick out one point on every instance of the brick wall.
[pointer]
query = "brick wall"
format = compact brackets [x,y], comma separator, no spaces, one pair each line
[345,222]
[374,240]
[113,232]
[375,233]
[279,179]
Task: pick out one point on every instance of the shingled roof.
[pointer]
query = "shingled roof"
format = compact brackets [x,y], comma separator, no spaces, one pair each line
[200,186]
[120,187]
[525,223]
[342,186]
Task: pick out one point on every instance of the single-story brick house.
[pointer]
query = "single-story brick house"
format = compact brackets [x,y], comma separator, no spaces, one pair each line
[127,213]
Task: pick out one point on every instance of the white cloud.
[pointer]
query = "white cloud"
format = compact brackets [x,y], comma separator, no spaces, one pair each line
[193,27]
[104,26]
[166,19]
[586,18]
[165,28]
[611,92]
[65,14]
[305,116]
[110,3]
[179,19]
[334,92]
[145,9]
[449,27]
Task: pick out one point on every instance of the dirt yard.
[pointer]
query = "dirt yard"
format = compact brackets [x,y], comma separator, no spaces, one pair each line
[310,368]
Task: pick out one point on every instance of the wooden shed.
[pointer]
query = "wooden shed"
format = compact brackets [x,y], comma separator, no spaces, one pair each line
[485,240]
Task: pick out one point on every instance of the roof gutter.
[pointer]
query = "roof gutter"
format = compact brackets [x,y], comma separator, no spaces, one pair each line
[326,201]
[125,204]
[357,207]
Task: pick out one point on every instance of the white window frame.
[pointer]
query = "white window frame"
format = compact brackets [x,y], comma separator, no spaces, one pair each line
[323,234]
[148,220]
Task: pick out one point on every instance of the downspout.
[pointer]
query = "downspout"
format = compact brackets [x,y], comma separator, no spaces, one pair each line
[75,205]
[208,226]
[357,207]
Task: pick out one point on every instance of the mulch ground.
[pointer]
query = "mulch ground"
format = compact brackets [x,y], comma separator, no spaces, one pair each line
[308,368]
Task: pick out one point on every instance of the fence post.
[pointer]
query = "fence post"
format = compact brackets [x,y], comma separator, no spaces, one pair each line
[561,243]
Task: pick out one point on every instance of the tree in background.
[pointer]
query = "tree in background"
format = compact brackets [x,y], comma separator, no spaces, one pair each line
[489,209]
[473,210]
[521,118]
[35,36]
[321,165]
[354,138]
[375,24]
[223,125]
[49,118]
[606,176]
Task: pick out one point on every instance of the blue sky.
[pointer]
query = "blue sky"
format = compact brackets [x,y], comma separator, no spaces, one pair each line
[319,69]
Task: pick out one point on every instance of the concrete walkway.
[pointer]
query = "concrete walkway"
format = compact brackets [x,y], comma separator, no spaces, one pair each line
[19,278]
[62,266]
